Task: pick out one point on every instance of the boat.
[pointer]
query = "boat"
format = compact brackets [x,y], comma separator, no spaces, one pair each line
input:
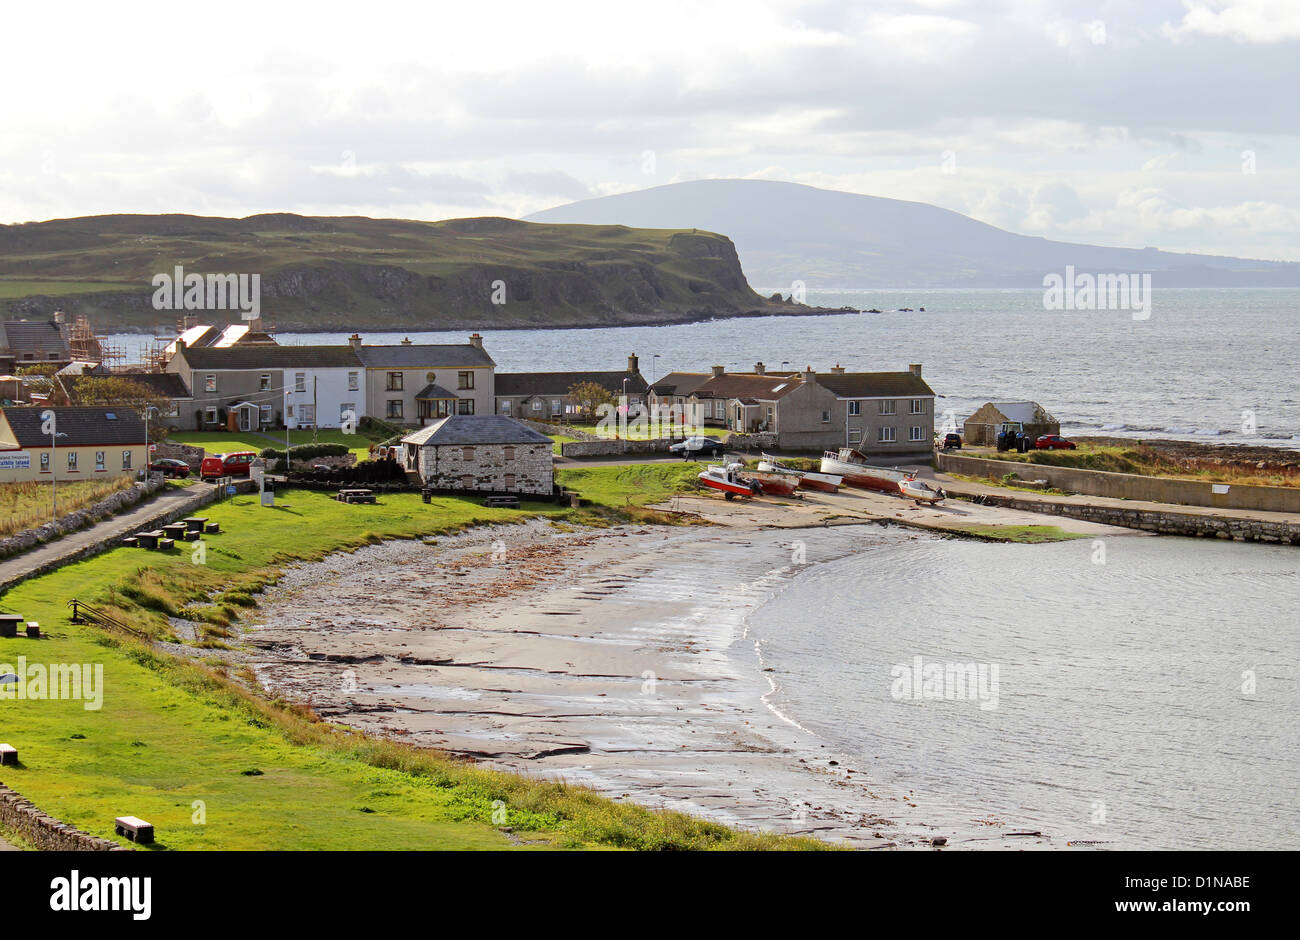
[808,479]
[774,483]
[729,481]
[921,491]
[851,465]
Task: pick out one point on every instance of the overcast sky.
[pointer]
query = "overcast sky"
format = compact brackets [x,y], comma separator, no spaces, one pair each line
[1172,123]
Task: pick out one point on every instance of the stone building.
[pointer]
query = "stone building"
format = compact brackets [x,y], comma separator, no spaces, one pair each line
[481,453]
[982,427]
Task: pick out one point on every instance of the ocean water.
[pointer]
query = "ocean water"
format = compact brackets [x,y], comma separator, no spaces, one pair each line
[1214,365]
[1124,712]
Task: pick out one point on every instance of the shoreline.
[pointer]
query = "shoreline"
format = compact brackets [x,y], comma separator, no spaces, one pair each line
[617,659]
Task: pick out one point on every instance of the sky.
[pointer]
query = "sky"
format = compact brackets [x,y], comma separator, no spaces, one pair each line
[1171,123]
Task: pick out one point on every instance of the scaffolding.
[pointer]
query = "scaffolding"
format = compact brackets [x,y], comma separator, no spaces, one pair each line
[85,346]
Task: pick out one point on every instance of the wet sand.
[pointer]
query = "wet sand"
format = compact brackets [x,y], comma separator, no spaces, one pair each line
[615,658]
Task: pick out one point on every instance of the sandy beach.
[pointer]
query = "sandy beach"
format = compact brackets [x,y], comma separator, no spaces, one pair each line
[614,658]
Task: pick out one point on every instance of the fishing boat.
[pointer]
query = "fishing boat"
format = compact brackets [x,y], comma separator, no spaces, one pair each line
[729,481]
[774,483]
[808,479]
[921,491]
[851,465]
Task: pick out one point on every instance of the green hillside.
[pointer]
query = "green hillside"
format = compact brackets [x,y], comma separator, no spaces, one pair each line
[354,273]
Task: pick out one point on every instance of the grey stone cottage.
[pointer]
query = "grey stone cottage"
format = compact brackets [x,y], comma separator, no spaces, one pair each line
[481,453]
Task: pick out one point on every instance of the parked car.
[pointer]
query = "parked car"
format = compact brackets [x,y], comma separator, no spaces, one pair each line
[694,447]
[1054,442]
[952,441]
[234,464]
[170,467]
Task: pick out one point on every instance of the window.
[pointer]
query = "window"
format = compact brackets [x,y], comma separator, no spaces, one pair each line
[465,379]
[264,382]
[265,411]
[917,433]
[394,382]
[45,463]
[52,355]
[394,408]
[354,381]
[99,460]
[505,407]
[210,415]
[29,355]
[720,409]
[887,435]
[826,417]
[307,415]
[509,481]
[467,453]
[467,481]
[855,434]
[210,382]
[557,406]
[855,407]
[300,381]
[887,407]
[465,406]
[72,460]
[126,460]
[918,406]
[537,404]
[508,452]
[173,409]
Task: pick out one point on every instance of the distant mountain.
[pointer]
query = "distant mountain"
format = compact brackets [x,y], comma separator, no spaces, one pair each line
[333,274]
[786,232]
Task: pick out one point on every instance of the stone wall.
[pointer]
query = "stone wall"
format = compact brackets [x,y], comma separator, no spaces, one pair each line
[75,521]
[1154,520]
[565,430]
[1128,485]
[44,831]
[448,468]
[190,454]
[601,447]
[764,440]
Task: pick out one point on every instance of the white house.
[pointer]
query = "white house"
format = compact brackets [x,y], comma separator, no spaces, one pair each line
[324,395]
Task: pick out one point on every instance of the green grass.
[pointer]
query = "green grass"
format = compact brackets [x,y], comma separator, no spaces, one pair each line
[13,288]
[172,732]
[222,442]
[1020,533]
[28,505]
[630,486]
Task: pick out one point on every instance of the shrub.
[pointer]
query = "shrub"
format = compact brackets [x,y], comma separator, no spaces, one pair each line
[307,451]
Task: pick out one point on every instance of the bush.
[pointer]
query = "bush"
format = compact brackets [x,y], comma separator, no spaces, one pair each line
[307,451]
[373,427]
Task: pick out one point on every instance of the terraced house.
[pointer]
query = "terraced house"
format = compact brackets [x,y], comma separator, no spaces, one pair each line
[882,413]
[247,388]
[416,385]
[546,395]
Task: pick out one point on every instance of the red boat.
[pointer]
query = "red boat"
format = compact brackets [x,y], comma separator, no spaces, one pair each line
[826,482]
[850,465]
[729,481]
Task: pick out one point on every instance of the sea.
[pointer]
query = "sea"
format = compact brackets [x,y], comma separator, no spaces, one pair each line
[1205,365]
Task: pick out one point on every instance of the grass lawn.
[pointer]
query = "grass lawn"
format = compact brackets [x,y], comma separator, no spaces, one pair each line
[27,505]
[217,442]
[1022,533]
[11,288]
[267,775]
[630,485]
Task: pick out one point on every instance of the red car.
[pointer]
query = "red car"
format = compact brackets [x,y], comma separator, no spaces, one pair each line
[1054,442]
[235,464]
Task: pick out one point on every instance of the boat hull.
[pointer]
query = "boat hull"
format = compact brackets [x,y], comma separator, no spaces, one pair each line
[825,482]
[774,484]
[862,476]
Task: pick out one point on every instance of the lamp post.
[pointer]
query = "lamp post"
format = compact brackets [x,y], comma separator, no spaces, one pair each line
[49,425]
[147,452]
[287,405]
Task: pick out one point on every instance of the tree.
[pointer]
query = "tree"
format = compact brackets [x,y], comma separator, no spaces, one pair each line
[111,390]
[589,396]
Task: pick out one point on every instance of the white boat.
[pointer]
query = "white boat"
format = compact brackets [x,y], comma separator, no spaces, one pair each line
[808,479]
[921,491]
[850,465]
[729,481]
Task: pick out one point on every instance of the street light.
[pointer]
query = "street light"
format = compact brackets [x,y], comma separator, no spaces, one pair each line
[288,393]
[49,425]
[147,452]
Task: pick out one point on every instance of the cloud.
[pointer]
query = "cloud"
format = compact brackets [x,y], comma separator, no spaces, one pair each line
[1245,21]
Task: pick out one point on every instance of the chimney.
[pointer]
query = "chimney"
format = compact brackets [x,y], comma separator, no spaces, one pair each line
[355,340]
[915,368]
[60,317]
[718,370]
[759,368]
[808,375]
[406,341]
[633,364]
[837,369]
[476,340]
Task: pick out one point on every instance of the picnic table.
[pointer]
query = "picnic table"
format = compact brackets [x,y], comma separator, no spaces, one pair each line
[195,523]
[356,495]
[149,539]
[9,624]
[176,530]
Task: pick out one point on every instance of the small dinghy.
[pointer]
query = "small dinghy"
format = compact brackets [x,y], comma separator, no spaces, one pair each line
[920,491]
[729,481]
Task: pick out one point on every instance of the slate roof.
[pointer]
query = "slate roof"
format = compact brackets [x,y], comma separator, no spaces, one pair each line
[475,429]
[166,384]
[748,386]
[680,383]
[527,384]
[420,357]
[1025,412]
[77,427]
[253,357]
[35,336]
[875,384]
[431,392]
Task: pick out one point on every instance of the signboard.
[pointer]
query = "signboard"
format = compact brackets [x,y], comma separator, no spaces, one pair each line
[268,497]
[19,461]
[230,490]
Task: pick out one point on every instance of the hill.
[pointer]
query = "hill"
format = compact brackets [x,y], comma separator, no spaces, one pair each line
[333,274]
[786,232]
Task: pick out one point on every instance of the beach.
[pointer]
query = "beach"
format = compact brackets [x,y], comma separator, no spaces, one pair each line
[618,659]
